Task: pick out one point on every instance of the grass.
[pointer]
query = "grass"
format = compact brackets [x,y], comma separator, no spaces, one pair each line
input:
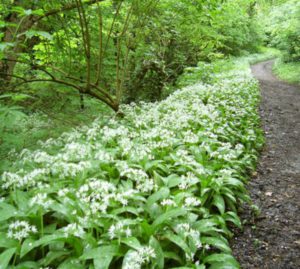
[289,72]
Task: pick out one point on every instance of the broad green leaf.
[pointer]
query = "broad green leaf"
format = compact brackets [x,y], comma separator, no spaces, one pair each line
[102,256]
[53,255]
[28,265]
[7,211]
[127,260]
[173,256]
[159,259]
[233,217]
[172,181]
[222,258]
[177,240]
[216,242]
[71,263]
[132,242]
[169,215]
[7,242]
[159,195]
[130,209]
[206,225]
[30,244]
[5,257]
[218,201]
[224,265]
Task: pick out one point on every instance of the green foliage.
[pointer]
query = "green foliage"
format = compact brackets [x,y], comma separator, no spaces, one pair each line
[283,29]
[39,115]
[122,51]
[157,188]
[209,72]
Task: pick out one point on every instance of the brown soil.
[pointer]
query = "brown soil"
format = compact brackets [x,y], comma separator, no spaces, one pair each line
[271,240]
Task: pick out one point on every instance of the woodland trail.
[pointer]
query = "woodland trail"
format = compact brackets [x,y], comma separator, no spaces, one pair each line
[272,240]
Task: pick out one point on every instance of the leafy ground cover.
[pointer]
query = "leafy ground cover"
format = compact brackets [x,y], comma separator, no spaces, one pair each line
[289,72]
[156,189]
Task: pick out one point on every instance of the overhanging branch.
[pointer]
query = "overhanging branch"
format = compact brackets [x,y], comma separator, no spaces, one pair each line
[64,8]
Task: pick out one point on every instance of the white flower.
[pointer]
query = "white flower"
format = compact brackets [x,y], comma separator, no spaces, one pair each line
[191,201]
[41,199]
[74,229]
[119,230]
[20,230]
[168,202]
[136,259]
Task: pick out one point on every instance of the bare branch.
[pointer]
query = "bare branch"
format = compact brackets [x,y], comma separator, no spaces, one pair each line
[64,8]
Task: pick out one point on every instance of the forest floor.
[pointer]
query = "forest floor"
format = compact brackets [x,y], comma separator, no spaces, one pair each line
[271,240]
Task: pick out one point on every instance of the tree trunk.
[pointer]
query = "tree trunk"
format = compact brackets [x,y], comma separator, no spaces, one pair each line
[7,67]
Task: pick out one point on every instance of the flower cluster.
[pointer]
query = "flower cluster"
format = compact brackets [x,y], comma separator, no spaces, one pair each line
[151,175]
[20,230]
[136,259]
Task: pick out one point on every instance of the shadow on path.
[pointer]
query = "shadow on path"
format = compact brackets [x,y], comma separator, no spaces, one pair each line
[272,240]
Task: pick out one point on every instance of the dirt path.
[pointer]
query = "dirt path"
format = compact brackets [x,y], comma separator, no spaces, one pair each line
[272,240]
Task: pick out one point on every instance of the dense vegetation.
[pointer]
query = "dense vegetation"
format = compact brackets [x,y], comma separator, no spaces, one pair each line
[283,32]
[167,130]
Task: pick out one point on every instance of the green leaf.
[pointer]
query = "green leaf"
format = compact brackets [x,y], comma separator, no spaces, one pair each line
[177,240]
[7,211]
[102,256]
[159,195]
[130,209]
[221,258]
[132,242]
[173,213]
[7,242]
[218,201]
[206,225]
[5,257]
[52,256]
[216,242]
[159,259]
[172,180]
[223,265]
[173,256]
[127,260]
[233,217]
[30,244]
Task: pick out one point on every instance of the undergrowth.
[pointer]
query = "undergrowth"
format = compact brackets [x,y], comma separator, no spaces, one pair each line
[289,71]
[39,115]
[156,189]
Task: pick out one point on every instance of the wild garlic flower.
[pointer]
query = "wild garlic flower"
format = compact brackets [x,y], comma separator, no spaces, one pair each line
[41,199]
[73,229]
[119,230]
[188,180]
[20,230]
[137,258]
[192,202]
[187,231]
[167,202]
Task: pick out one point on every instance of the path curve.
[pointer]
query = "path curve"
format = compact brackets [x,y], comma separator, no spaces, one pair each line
[272,240]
